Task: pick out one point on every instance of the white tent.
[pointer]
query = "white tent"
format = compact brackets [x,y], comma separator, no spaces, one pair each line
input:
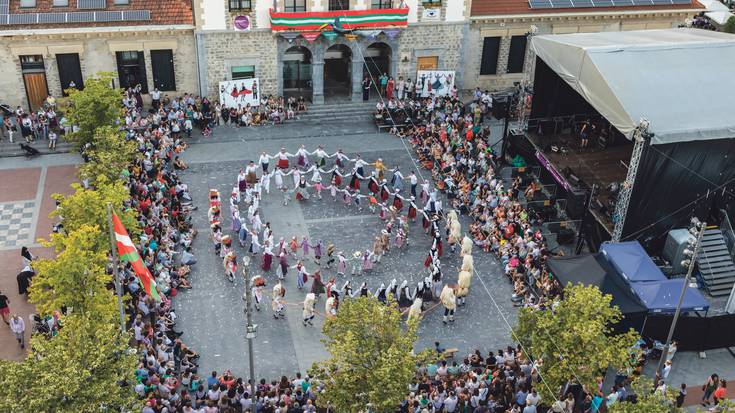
[716,11]
[678,79]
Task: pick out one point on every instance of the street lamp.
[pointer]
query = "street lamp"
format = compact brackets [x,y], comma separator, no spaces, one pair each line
[697,229]
[250,328]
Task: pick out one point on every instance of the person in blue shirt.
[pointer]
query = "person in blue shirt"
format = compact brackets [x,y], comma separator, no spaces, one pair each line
[212,380]
[521,396]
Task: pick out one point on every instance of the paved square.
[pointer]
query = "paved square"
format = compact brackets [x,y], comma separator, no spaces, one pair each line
[212,313]
[16,219]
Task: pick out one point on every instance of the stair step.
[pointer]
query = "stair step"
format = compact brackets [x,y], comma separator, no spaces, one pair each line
[716,270]
[714,259]
[712,231]
[719,281]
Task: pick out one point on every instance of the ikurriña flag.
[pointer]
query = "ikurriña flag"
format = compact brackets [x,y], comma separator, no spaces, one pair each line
[128,253]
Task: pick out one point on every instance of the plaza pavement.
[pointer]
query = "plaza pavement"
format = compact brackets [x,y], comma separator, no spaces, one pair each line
[26,187]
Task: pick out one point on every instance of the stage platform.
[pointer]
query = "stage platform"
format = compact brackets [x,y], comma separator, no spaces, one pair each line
[581,168]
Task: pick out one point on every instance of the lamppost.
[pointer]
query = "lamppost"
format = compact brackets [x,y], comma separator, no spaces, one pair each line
[250,328]
[697,230]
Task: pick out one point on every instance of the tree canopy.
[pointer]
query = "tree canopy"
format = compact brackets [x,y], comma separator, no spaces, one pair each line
[98,105]
[371,357]
[574,340]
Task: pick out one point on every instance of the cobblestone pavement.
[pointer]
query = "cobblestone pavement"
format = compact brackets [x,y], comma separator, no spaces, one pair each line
[211,314]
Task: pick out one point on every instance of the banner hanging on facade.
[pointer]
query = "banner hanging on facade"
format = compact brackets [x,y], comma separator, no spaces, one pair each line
[434,82]
[234,93]
[330,36]
[392,33]
[310,36]
[349,19]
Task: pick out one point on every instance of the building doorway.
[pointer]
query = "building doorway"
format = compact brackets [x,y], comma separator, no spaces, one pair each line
[34,79]
[297,73]
[338,72]
[377,60]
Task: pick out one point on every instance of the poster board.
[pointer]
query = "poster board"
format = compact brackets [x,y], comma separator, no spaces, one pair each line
[434,82]
[234,93]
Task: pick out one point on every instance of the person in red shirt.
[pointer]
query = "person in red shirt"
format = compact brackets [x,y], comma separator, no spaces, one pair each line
[721,392]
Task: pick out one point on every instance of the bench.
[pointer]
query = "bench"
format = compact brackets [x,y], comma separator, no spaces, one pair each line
[449,353]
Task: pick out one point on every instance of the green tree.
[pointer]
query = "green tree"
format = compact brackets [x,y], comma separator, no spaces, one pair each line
[729,26]
[574,340]
[87,367]
[371,357]
[96,106]
[646,400]
[109,155]
[76,278]
[89,207]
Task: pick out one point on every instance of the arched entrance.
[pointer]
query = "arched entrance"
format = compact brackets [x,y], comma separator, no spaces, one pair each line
[337,72]
[297,72]
[377,60]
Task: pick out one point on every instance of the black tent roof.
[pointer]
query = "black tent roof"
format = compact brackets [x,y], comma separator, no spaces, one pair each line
[594,269]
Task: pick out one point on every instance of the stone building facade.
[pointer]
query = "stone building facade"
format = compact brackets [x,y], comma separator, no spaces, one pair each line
[496,23]
[149,42]
[326,68]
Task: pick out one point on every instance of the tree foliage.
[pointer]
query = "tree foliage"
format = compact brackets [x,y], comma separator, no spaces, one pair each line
[76,278]
[109,154]
[729,26]
[371,357]
[89,207]
[96,106]
[574,340]
[646,400]
[79,370]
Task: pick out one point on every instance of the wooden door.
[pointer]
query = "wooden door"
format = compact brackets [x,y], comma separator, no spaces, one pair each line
[36,89]
[427,63]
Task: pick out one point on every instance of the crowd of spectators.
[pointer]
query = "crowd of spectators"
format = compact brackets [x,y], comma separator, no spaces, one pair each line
[453,144]
[271,111]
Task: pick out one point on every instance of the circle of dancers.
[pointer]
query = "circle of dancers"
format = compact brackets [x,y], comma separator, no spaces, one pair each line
[396,208]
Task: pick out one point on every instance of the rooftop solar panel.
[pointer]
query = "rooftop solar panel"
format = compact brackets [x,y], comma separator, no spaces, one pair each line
[576,4]
[51,17]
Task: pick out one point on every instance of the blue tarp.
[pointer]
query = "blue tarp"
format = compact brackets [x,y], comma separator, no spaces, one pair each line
[632,261]
[662,296]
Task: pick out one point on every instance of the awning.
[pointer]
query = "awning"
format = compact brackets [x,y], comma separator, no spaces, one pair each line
[632,261]
[663,296]
[678,79]
[593,269]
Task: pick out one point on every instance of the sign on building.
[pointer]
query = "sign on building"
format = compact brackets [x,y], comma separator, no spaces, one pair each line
[234,93]
[434,82]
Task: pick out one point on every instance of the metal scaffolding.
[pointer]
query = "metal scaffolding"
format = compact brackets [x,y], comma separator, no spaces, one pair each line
[640,134]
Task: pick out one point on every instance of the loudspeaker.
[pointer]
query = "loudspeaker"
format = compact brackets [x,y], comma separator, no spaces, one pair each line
[500,107]
[575,203]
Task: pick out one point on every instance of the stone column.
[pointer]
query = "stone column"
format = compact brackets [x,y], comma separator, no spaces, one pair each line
[279,75]
[357,65]
[317,82]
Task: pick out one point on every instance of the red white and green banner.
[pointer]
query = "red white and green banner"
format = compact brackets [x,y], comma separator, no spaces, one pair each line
[128,253]
[349,19]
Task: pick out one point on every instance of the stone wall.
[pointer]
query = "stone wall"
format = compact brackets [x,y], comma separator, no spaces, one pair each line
[222,50]
[96,53]
[443,40]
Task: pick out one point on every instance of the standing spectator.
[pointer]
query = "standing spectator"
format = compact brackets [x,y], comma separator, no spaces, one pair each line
[9,128]
[721,392]
[682,395]
[18,327]
[709,388]
[383,83]
[52,140]
[156,98]
[4,307]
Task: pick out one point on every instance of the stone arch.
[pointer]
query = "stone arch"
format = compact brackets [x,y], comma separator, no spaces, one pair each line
[338,70]
[378,59]
[296,72]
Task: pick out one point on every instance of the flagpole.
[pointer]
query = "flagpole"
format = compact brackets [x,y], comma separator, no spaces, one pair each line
[115,266]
